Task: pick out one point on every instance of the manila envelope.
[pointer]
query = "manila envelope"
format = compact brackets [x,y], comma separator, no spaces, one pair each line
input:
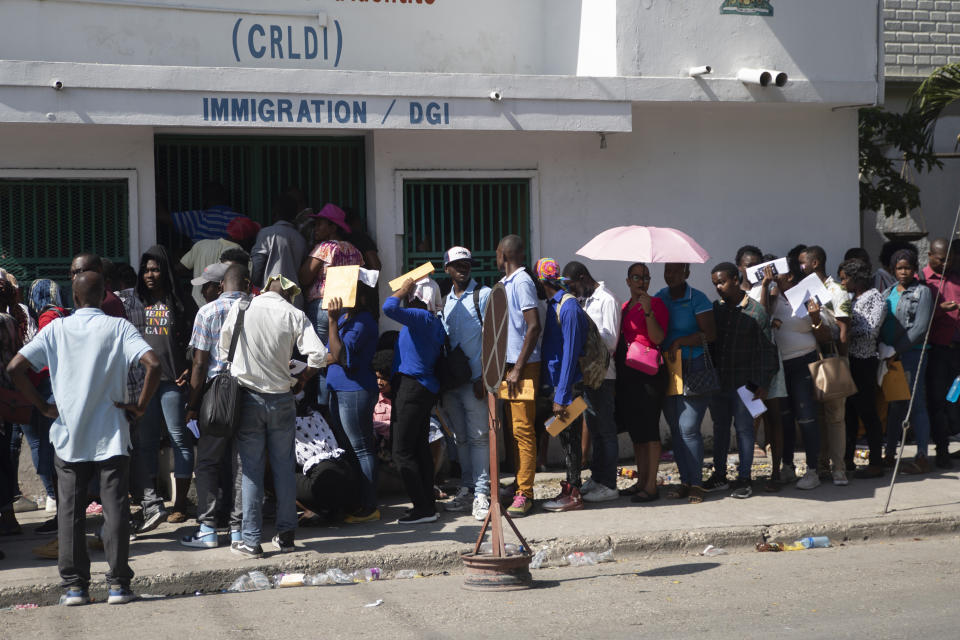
[527,391]
[895,385]
[341,282]
[674,373]
[555,425]
[419,273]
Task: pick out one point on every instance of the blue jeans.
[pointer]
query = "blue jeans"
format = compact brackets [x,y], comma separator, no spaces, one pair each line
[38,437]
[801,406]
[727,406]
[321,325]
[351,413]
[470,421]
[603,430]
[267,426]
[684,414]
[166,405]
[897,411]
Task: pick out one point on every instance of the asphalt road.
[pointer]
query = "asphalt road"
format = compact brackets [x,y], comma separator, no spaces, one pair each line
[906,588]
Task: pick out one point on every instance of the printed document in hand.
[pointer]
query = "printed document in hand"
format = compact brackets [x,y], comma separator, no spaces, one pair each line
[809,288]
[755,407]
[755,273]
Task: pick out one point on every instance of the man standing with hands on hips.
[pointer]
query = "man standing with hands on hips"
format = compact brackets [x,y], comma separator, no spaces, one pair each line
[89,354]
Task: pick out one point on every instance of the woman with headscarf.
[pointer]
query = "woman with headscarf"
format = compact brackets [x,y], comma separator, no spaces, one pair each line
[169,321]
[418,349]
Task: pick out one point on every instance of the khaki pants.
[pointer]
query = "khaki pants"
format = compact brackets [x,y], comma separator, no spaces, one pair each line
[523,446]
[832,434]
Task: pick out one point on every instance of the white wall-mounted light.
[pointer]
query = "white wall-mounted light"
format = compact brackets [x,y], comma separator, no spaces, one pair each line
[778,78]
[702,70]
[758,77]
[496,95]
[56,84]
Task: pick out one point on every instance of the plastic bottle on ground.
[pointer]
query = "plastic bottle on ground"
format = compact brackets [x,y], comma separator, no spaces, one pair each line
[606,556]
[815,542]
[241,584]
[337,576]
[317,579]
[582,558]
[260,580]
[366,575]
[539,558]
[711,551]
[404,574]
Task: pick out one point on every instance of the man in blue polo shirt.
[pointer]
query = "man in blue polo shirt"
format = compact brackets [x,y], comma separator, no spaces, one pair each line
[89,355]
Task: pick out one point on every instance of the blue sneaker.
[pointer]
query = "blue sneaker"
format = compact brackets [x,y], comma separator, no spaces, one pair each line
[120,595]
[75,596]
[236,538]
[204,538]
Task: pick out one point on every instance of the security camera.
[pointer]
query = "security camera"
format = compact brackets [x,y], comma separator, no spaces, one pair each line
[496,95]
[779,78]
[57,85]
[754,76]
[703,70]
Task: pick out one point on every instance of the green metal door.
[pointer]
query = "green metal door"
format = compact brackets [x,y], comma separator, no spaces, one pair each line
[45,222]
[475,214]
[255,170]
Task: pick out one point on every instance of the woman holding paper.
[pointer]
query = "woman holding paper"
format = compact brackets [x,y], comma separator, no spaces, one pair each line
[866,315]
[352,387]
[331,250]
[909,307]
[642,379]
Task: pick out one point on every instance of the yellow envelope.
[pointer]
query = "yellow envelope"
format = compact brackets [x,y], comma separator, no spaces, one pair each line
[674,373]
[419,273]
[895,385]
[555,425]
[341,282]
[527,391]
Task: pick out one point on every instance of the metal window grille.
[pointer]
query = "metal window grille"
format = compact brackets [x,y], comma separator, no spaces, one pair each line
[45,222]
[254,170]
[476,214]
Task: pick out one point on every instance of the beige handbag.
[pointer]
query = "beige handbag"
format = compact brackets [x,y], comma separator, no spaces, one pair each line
[831,377]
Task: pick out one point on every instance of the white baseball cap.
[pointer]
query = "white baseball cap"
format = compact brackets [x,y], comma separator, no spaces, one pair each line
[455,254]
[211,273]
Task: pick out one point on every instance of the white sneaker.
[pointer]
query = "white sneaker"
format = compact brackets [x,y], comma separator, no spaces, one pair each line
[51,505]
[481,506]
[460,502]
[788,474]
[840,478]
[588,486]
[810,480]
[601,493]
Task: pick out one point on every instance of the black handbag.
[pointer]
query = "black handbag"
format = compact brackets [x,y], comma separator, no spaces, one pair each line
[703,382]
[220,406]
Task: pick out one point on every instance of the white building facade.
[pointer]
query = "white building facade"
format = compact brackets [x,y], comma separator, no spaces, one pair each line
[437,122]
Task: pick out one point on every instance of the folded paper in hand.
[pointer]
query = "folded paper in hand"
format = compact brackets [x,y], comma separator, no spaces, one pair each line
[755,407]
[555,425]
[755,273]
[810,288]
[416,275]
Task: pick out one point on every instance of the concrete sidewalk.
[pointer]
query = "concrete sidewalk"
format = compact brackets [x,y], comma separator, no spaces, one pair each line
[921,506]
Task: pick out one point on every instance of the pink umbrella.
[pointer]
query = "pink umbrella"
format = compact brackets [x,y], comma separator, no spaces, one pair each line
[644,244]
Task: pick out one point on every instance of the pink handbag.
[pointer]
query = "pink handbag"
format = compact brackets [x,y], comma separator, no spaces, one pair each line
[643,358]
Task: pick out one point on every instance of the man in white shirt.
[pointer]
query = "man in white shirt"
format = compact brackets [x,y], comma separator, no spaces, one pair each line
[271,328]
[604,311]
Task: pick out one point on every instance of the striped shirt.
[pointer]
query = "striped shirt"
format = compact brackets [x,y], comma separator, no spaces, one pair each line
[201,224]
[206,328]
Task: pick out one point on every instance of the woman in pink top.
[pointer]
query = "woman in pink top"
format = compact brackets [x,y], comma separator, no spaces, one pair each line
[640,395]
[331,250]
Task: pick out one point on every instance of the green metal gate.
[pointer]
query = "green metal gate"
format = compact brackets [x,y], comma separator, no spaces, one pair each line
[476,214]
[255,170]
[45,222]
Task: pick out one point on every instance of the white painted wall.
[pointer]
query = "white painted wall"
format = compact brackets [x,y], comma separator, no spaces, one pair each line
[727,175]
[56,146]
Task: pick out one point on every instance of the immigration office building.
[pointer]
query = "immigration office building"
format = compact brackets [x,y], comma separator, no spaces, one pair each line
[435,122]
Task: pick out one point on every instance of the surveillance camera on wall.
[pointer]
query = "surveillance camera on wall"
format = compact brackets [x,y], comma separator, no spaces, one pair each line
[754,76]
[496,95]
[702,70]
[56,84]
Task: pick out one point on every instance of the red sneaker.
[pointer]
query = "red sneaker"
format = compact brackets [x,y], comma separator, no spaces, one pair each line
[568,500]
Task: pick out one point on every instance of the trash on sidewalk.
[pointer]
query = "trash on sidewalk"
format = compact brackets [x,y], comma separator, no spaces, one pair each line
[509,548]
[286,580]
[253,581]
[769,546]
[810,542]
[627,473]
[711,551]
[539,558]
[374,604]
[29,605]
[405,574]
[584,558]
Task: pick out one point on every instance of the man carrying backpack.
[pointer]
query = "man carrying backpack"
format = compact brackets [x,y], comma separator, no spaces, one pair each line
[564,337]
[466,405]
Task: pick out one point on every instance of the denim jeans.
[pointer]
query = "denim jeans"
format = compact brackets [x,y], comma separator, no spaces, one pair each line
[469,419]
[685,414]
[351,413]
[897,411]
[267,426]
[603,431]
[167,405]
[38,437]
[320,320]
[727,406]
[801,406]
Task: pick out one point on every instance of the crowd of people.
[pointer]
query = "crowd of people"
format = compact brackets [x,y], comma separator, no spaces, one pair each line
[327,399]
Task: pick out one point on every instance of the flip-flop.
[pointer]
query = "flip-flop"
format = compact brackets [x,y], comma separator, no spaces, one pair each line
[643,496]
[679,492]
[632,490]
[696,495]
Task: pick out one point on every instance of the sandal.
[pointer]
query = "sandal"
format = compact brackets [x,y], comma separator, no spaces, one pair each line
[632,490]
[643,496]
[679,492]
[696,495]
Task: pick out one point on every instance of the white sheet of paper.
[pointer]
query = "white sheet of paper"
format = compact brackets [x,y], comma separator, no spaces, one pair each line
[809,287]
[755,273]
[755,407]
